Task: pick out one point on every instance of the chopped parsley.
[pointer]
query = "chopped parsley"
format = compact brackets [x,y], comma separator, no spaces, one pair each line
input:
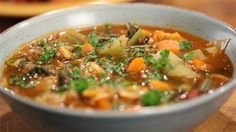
[189,56]
[114,67]
[79,85]
[138,52]
[92,55]
[157,75]
[76,73]
[48,54]
[148,58]
[162,62]
[185,45]
[78,51]
[151,98]
[16,80]
[93,39]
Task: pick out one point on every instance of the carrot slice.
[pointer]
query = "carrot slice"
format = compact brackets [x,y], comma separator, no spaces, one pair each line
[148,33]
[199,64]
[87,47]
[103,104]
[159,85]
[172,45]
[136,65]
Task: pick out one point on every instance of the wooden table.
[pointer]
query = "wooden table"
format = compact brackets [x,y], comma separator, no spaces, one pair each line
[222,121]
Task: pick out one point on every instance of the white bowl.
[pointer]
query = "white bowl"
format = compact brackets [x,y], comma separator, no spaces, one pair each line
[176,117]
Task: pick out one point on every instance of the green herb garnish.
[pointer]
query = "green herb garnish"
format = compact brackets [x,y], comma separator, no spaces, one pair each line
[16,80]
[48,54]
[157,75]
[78,51]
[148,58]
[185,45]
[76,73]
[93,39]
[62,88]
[151,98]
[92,55]
[189,56]
[79,85]
[162,62]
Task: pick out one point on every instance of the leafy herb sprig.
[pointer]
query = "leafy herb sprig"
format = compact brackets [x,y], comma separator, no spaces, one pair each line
[93,39]
[185,45]
[48,54]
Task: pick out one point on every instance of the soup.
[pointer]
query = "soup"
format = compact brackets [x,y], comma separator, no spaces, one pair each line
[113,67]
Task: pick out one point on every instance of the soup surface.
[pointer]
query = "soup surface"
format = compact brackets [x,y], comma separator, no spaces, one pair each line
[116,67]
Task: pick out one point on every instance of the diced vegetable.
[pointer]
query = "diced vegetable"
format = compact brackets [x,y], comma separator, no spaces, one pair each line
[136,65]
[171,45]
[116,48]
[197,54]
[161,60]
[206,85]
[212,50]
[132,92]
[72,36]
[103,104]
[148,33]
[98,93]
[17,62]
[160,85]
[137,38]
[79,36]
[185,45]
[167,95]
[93,69]
[173,60]
[198,64]
[182,71]
[65,52]
[87,48]
[161,35]
[176,36]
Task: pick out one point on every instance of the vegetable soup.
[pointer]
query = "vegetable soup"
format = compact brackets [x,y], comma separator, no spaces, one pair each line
[117,67]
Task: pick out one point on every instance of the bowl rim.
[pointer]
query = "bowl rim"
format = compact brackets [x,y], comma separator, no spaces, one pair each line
[146,111]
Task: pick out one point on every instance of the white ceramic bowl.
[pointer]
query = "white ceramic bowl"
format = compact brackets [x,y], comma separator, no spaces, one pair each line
[177,117]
